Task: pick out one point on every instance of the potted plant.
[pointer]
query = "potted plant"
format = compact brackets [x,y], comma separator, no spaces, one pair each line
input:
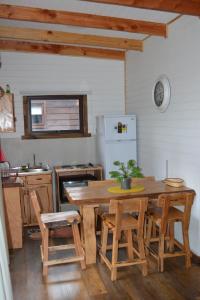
[126,172]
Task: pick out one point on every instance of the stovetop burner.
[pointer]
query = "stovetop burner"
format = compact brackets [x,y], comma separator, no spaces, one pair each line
[77,166]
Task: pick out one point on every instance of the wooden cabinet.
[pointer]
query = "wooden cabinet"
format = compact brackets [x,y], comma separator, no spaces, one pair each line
[13,218]
[7,116]
[42,183]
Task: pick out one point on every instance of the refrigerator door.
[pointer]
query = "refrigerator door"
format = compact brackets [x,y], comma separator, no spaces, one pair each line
[120,128]
[119,150]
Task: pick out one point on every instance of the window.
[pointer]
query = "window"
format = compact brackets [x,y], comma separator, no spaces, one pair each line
[55,116]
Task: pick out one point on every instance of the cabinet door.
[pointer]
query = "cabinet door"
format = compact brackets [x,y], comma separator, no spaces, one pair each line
[25,207]
[13,217]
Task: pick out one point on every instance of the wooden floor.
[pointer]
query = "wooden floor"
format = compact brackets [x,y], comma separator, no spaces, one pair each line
[69,282]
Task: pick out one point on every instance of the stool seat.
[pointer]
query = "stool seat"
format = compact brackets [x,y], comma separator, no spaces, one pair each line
[174,214]
[67,216]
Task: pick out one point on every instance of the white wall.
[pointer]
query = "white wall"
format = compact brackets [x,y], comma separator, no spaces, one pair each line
[102,80]
[175,134]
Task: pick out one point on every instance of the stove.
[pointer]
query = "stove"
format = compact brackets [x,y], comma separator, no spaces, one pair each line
[73,175]
[78,166]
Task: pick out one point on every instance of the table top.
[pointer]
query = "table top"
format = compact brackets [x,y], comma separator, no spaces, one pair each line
[99,194]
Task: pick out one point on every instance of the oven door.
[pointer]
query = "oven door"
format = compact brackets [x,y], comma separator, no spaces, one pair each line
[73,181]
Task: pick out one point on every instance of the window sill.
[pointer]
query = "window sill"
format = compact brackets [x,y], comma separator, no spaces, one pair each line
[55,136]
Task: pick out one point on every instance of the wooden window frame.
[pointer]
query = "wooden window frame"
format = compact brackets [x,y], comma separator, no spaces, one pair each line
[29,134]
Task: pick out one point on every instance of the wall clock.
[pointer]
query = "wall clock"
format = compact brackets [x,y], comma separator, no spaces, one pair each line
[161,93]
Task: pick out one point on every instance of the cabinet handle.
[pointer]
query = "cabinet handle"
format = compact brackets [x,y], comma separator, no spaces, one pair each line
[38,178]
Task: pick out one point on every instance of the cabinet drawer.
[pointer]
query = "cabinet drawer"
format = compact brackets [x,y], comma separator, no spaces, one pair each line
[38,179]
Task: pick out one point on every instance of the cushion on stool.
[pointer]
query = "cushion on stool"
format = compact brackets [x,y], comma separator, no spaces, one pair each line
[68,217]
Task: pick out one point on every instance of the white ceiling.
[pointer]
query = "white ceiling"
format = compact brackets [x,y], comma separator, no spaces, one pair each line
[91,8]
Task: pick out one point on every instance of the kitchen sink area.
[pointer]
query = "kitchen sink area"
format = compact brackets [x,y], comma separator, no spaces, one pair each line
[29,170]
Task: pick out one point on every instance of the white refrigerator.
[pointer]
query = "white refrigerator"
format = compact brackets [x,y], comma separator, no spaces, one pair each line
[116,140]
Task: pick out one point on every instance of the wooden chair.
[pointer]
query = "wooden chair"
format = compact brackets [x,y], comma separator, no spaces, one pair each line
[120,220]
[49,220]
[163,217]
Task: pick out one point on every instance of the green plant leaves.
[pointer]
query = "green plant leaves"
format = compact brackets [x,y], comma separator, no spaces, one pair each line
[126,171]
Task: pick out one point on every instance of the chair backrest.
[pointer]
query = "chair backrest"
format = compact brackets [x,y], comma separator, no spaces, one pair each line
[134,205]
[37,208]
[185,200]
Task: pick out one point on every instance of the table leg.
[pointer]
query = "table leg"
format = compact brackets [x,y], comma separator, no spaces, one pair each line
[89,233]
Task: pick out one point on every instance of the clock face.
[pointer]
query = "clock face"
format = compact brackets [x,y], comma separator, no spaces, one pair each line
[161,93]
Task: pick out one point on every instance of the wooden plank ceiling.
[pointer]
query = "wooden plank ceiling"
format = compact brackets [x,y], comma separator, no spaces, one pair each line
[117,36]
[184,7]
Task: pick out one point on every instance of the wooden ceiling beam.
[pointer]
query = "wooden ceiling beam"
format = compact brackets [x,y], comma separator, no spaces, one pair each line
[23,13]
[24,46]
[185,7]
[69,38]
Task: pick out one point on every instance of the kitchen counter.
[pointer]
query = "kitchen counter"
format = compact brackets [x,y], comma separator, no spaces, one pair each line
[34,173]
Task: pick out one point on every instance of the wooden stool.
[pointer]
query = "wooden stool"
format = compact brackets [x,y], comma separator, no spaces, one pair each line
[120,220]
[163,217]
[49,220]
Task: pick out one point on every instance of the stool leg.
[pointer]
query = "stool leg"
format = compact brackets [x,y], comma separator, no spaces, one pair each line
[45,245]
[114,257]
[154,230]
[101,235]
[78,246]
[148,234]
[129,238]
[171,236]
[104,240]
[142,255]
[186,247]
[81,226]
[145,228]
[161,252]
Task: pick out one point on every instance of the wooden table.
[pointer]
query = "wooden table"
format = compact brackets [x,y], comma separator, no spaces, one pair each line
[90,197]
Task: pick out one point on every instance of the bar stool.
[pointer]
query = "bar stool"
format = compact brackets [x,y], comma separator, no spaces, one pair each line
[121,220]
[48,221]
[164,216]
